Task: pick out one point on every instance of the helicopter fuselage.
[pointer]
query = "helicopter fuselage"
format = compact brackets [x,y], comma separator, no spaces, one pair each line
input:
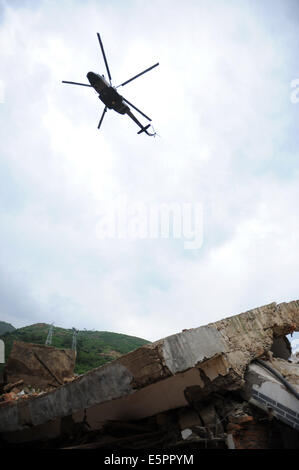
[107,93]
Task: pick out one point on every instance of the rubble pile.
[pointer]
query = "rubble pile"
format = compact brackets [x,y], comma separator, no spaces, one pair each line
[223,422]
[33,370]
[231,384]
[39,366]
[17,391]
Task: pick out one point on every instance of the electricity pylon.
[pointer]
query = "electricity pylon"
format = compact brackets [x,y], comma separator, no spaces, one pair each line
[74,343]
[49,337]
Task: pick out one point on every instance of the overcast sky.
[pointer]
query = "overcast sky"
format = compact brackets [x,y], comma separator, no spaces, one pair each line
[221,102]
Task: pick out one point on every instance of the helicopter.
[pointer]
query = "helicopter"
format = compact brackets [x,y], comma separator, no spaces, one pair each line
[109,95]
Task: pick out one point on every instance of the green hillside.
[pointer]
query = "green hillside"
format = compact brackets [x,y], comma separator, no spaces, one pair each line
[5,327]
[94,348]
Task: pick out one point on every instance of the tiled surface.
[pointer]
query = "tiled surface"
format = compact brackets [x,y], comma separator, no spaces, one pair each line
[285,414]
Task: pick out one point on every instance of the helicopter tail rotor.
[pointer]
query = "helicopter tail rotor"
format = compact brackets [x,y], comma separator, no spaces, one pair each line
[143,129]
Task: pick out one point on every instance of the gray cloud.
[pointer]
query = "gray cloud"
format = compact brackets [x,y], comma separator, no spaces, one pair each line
[220,100]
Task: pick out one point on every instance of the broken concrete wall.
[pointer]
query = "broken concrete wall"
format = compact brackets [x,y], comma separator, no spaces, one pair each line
[177,371]
[221,421]
[38,365]
[282,348]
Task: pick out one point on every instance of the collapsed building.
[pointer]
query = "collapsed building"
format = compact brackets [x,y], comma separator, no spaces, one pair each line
[39,366]
[231,384]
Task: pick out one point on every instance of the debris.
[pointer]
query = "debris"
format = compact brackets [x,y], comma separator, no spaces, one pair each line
[186,433]
[37,365]
[9,387]
[9,396]
[47,368]
[199,389]
[277,397]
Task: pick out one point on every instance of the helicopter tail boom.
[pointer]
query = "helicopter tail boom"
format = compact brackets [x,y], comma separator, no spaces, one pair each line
[143,128]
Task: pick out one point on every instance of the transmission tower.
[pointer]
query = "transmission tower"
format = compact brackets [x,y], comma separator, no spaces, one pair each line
[74,343]
[49,337]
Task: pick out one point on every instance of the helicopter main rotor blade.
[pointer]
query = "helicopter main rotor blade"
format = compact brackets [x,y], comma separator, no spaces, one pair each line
[102,117]
[105,60]
[136,76]
[136,108]
[76,83]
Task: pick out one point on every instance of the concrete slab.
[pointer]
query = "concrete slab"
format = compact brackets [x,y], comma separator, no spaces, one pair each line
[163,375]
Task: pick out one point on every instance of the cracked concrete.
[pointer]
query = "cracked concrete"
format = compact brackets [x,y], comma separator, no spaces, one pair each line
[156,377]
